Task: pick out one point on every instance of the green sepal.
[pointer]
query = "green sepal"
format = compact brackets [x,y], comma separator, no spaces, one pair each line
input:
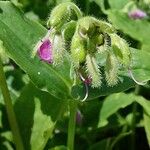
[105,27]
[68,30]
[93,71]
[78,50]
[111,70]
[121,49]
[58,49]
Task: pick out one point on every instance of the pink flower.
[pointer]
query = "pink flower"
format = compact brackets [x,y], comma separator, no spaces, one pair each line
[137,14]
[79,117]
[88,80]
[45,51]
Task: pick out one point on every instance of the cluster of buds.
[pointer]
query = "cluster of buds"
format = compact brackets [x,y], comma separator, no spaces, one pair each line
[84,38]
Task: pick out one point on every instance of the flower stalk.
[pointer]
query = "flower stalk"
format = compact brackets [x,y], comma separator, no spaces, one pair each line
[72,123]
[10,112]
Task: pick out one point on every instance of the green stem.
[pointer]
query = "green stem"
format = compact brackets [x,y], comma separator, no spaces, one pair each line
[10,111]
[118,138]
[87,7]
[134,110]
[72,124]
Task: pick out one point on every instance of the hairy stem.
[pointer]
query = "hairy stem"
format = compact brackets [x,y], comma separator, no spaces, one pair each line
[72,124]
[10,111]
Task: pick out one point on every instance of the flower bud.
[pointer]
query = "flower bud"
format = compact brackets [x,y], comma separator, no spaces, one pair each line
[120,49]
[93,71]
[58,49]
[86,26]
[79,117]
[102,43]
[62,14]
[78,50]
[111,70]
[68,31]
[105,27]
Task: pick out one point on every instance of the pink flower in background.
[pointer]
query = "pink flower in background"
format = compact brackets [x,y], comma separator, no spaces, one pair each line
[79,117]
[45,51]
[137,14]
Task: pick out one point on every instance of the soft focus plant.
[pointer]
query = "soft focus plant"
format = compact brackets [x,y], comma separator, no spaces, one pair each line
[67,68]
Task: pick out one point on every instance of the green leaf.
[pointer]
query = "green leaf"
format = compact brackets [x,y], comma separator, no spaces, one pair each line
[140,67]
[144,103]
[146,126]
[19,36]
[146,106]
[140,64]
[137,29]
[112,104]
[117,4]
[102,145]
[100,3]
[124,84]
[37,112]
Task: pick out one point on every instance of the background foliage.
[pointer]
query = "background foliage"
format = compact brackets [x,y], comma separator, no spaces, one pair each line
[110,120]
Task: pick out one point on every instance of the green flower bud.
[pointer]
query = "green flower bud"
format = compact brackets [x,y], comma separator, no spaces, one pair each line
[58,49]
[62,14]
[102,43]
[93,71]
[121,49]
[78,50]
[105,27]
[111,70]
[86,26]
[68,30]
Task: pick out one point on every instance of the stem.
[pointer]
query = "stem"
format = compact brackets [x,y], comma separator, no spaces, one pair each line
[118,138]
[87,7]
[72,124]
[134,110]
[10,111]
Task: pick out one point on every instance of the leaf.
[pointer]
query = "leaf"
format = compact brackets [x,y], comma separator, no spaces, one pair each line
[117,4]
[146,107]
[137,29]
[146,126]
[100,145]
[37,112]
[100,3]
[112,104]
[144,103]
[19,36]
[124,84]
[140,65]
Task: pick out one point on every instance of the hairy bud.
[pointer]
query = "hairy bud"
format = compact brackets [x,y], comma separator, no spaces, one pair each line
[62,14]
[121,49]
[93,71]
[111,70]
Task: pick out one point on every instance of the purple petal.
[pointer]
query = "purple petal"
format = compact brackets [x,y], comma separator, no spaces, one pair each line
[45,51]
[88,80]
[79,117]
[137,14]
